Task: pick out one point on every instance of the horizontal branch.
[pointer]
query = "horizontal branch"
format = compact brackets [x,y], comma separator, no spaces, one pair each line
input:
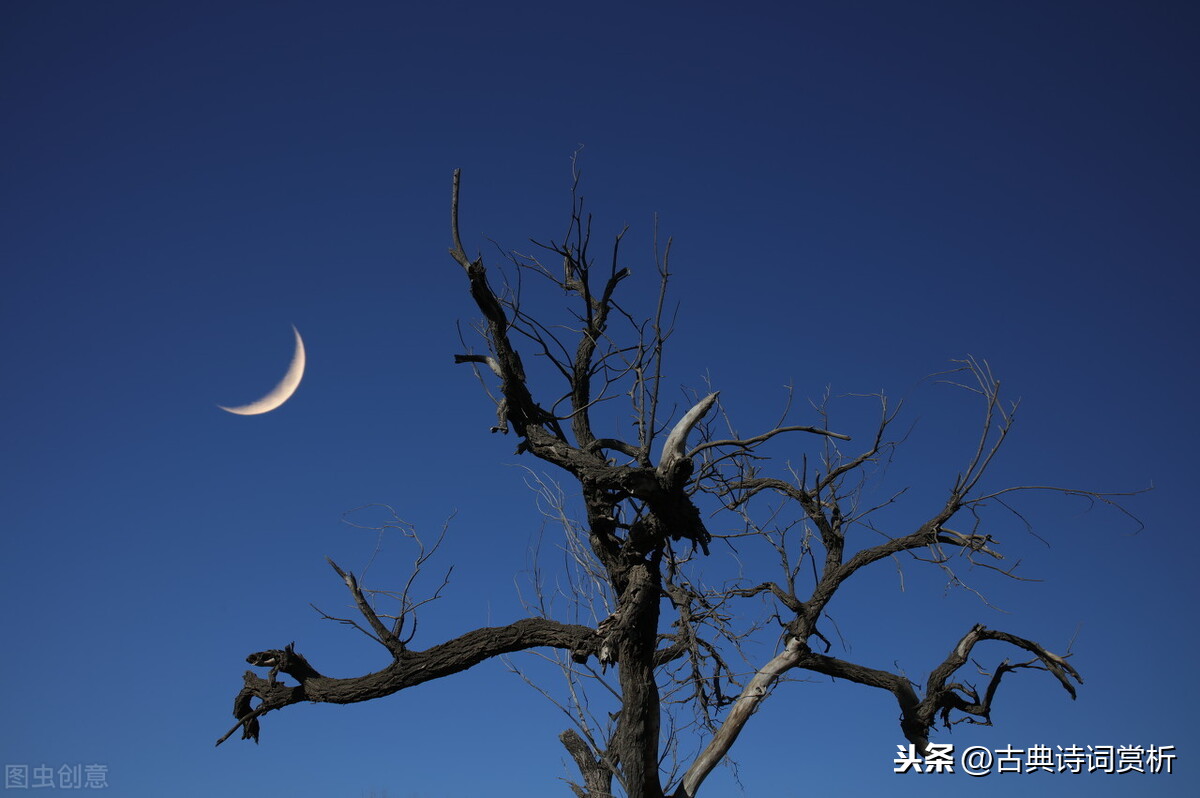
[613,444]
[411,669]
[766,436]
[490,362]
[917,716]
[897,685]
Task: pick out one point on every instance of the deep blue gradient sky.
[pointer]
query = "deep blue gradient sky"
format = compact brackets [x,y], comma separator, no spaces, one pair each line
[858,192]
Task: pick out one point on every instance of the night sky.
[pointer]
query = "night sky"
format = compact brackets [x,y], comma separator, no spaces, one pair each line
[857,194]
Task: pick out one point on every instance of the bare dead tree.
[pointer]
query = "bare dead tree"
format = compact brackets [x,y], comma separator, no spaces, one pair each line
[640,540]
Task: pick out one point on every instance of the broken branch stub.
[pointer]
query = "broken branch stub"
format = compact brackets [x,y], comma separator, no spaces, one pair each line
[675,449]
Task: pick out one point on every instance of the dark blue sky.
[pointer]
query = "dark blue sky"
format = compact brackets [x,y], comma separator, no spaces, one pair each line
[857,193]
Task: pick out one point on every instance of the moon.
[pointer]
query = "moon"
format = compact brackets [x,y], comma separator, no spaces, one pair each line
[283,391]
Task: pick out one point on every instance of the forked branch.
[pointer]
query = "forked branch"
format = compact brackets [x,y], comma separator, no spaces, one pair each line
[407,669]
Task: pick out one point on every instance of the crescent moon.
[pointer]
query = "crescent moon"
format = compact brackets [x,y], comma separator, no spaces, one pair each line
[283,391]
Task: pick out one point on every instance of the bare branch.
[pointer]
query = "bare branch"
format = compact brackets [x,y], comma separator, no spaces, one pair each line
[489,361]
[749,443]
[411,669]
[382,634]
[755,692]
